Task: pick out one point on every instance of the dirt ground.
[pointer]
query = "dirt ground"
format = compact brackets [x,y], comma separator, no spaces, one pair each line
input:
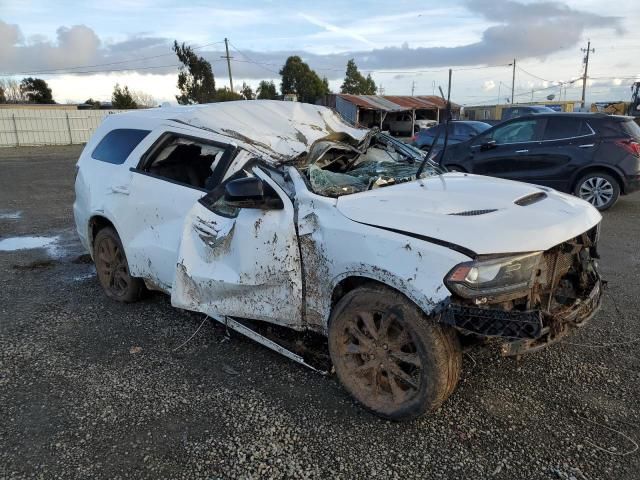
[90,388]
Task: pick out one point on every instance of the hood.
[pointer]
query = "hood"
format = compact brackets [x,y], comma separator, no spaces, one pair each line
[474,212]
[271,128]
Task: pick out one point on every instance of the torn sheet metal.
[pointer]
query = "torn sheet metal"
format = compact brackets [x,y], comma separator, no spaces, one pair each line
[247,266]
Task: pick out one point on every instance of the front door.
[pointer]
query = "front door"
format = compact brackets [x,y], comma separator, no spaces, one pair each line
[240,262]
[507,151]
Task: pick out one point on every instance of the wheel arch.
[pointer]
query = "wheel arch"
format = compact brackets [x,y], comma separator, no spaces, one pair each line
[98,222]
[608,169]
[350,282]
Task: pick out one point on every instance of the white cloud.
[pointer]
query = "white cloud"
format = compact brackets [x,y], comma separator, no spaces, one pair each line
[488,85]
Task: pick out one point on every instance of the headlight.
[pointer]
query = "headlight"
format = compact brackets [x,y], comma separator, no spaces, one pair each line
[495,276]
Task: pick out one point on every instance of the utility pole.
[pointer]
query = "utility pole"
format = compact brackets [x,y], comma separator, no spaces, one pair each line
[226,46]
[513,81]
[413,87]
[586,67]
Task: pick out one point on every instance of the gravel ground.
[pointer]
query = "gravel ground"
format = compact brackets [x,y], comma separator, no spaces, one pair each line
[90,388]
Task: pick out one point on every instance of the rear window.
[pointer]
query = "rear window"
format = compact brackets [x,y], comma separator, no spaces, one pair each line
[631,128]
[116,145]
[612,127]
[561,127]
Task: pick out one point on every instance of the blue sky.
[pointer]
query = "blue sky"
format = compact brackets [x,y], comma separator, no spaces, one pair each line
[403,44]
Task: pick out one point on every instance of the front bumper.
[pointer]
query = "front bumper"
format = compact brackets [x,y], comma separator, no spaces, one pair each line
[525,331]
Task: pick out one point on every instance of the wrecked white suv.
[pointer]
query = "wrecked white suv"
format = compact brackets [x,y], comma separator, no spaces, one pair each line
[280,212]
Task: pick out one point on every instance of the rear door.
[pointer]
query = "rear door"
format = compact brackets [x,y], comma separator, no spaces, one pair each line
[567,143]
[241,262]
[506,150]
[170,177]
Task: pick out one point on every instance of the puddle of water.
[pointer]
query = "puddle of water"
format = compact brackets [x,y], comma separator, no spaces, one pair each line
[27,243]
[10,215]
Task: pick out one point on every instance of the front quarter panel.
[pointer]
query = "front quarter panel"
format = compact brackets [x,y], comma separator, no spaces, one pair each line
[334,247]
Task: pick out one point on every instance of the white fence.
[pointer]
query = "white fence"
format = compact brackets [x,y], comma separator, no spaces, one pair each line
[48,126]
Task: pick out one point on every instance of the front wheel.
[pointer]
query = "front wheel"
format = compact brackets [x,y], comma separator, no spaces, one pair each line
[599,189]
[389,356]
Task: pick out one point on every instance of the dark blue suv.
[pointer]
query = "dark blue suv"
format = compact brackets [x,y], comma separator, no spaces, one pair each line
[459,131]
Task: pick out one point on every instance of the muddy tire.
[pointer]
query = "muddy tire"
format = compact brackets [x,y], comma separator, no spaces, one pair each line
[389,356]
[112,268]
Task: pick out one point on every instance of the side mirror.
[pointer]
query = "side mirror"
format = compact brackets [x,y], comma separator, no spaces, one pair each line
[488,145]
[251,192]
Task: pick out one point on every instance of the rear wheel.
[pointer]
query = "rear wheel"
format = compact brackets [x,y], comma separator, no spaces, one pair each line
[112,267]
[389,356]
[599,189]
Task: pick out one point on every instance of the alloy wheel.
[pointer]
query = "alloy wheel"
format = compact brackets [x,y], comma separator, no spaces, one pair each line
[597,191]
[380,357]
[112,267]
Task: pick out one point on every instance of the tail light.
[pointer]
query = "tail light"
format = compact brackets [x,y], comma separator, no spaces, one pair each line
[630,146]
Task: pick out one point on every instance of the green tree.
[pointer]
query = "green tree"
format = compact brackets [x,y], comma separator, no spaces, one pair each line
[267,91]
[195,79]
[355,83]
[297,77]
[246,91]
[226,95]
[122,98]
[36,90]
[95,104]
[2,97]
[370,87]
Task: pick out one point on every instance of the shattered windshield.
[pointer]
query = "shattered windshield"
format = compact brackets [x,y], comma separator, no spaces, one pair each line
[338,168]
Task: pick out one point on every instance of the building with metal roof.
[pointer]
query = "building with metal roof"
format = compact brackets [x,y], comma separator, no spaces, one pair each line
[383,110]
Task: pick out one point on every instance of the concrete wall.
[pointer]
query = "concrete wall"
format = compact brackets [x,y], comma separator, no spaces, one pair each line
[48,126]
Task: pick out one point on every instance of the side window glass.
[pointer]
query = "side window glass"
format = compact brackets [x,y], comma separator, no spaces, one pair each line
[118,144]
[191,162]
[559,127]
[516,132]
[460,130]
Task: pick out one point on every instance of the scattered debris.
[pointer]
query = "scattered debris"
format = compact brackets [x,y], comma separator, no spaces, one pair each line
[229,369]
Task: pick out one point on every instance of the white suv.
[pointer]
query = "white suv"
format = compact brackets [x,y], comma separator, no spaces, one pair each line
[283,213]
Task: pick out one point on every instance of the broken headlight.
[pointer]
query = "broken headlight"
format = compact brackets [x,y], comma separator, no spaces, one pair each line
[493,276]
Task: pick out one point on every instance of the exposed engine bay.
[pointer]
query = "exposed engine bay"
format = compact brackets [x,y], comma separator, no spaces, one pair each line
[336,168]
[564,292]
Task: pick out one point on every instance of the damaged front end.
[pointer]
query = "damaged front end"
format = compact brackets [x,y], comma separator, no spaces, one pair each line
[530,300]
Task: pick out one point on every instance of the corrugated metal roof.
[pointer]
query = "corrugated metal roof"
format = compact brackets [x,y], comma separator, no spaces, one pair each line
[396,103]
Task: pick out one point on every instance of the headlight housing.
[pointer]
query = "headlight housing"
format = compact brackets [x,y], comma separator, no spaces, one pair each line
[494,276]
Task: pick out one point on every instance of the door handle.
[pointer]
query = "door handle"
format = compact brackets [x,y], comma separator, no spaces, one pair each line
[522,151]
[120,189]
[587,145]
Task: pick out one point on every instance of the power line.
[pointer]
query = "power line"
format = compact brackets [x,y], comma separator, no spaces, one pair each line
[251,60]
[65,69]
[534,76]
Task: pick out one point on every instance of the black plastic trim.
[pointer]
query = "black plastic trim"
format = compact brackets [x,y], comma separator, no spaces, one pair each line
[452,246]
